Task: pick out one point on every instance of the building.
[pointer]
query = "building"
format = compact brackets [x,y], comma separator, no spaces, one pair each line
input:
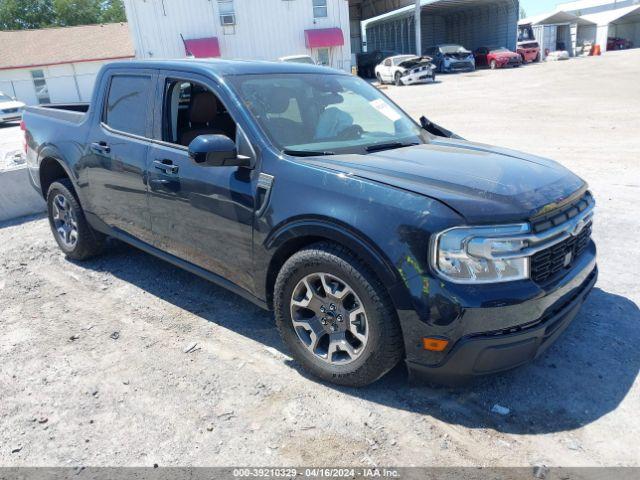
[587,22]
[237,29]
[59,65]
[471,23]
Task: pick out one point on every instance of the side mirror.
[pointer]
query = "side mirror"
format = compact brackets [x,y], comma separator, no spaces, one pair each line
[216,151]
[437,130]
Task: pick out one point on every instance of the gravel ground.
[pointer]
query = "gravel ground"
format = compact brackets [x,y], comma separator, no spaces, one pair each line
[126,360]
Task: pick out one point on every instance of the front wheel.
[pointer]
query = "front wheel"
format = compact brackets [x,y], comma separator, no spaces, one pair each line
[398,79]
[336,317]
[70,228]
[493,65]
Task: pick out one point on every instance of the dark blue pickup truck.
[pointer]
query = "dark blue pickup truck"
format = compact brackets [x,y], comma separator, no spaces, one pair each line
[307,191]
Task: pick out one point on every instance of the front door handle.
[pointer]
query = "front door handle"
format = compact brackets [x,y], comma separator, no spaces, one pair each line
[101,147]
[166,166]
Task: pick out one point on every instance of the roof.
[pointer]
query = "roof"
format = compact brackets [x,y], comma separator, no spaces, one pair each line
[552,18]
[55,46]
[221,68]
[605,18]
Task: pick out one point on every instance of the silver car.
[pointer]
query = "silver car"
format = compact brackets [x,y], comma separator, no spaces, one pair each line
[10,108]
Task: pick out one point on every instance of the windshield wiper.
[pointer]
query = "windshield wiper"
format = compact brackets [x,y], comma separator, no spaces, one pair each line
[306,153]
[378,147]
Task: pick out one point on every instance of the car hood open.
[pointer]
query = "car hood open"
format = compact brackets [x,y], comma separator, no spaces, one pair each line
[484,184]
[414,62]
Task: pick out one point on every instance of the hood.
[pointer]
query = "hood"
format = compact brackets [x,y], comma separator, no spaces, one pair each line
[10,105]
[414,62]
[484,184]
[506,54]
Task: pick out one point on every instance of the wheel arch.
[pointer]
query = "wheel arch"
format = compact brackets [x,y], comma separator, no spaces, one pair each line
[294,236]
[51,168]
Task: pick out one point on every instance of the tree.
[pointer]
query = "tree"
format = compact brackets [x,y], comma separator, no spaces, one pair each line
[523,13]
[113,12]
[68,13]
[19,14]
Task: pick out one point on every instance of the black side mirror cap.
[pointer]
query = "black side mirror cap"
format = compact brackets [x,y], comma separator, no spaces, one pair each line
[216,151]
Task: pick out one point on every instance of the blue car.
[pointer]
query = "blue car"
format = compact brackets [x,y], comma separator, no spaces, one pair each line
[451,58]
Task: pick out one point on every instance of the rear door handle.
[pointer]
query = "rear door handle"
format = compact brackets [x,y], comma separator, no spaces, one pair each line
[101,147]
[166,166]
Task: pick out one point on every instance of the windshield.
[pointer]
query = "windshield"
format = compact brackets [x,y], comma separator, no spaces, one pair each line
[5,98]
[324,113]
[404,58]
[453,49]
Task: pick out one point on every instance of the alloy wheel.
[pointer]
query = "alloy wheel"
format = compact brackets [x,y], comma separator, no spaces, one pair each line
[64,221]
[329,318]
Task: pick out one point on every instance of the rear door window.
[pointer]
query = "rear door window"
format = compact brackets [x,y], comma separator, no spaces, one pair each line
[128,104]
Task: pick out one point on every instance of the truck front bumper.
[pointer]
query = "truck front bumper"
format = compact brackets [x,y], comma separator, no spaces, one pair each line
[475,352]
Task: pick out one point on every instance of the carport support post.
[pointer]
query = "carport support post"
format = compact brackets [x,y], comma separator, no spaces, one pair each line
[418,28]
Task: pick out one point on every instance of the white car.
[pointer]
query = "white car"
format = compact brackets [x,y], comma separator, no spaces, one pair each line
[298,59]
[10,108]
[406,70]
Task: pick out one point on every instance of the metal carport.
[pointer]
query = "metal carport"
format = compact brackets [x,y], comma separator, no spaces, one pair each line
[471,23]
[556,30]
[622,23]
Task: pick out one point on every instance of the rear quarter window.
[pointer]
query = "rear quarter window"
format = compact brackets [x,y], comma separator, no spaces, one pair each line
[127,104]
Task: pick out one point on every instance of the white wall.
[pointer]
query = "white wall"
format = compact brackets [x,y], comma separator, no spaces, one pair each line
[66,83]
[264,30]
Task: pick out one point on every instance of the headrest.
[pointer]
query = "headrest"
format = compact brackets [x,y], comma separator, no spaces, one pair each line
[204,108]
[278,100]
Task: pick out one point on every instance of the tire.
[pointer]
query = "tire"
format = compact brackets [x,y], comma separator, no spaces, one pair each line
[70,228]
[378,352]
[379,77]
[537,59]
[433,77]
[397,80]
[493,65]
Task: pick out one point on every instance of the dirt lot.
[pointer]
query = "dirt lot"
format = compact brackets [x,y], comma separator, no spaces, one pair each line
[94,369]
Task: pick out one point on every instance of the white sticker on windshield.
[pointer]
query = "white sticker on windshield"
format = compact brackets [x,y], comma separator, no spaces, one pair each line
[385,109]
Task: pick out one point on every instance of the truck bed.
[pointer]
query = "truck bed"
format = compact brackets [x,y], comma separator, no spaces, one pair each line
[69,112]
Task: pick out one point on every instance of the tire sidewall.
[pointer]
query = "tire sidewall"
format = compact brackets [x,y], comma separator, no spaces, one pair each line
[56,189]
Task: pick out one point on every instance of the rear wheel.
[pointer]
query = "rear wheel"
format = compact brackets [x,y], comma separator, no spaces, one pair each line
[70,228]
[335,316]
[379,77]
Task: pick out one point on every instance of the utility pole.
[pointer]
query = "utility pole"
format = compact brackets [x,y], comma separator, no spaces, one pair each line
[418,28]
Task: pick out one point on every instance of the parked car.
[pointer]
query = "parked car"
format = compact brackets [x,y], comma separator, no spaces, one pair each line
[496,57]
[368,61]
[615,43]
[406,70]
[451,58]
[298,59]
[529,51]
[307,191]
[10,108]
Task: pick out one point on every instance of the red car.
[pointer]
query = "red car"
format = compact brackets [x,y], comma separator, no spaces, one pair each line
[529,51]
[615,43]
[496,57]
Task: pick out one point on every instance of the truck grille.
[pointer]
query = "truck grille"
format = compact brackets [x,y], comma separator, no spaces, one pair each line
[547,263]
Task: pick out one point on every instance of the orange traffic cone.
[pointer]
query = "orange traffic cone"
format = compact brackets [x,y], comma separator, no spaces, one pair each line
[595,50]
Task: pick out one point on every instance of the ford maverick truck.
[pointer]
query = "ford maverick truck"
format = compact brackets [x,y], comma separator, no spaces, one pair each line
[375,239]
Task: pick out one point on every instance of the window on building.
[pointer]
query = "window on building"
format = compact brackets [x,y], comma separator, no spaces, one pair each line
[40,85]
[127,104]
[227,12]
[190,110]
[323,56]
[319,8]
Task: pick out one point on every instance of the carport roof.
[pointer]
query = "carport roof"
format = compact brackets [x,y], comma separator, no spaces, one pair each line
[433,6]
[605,18]
[553,18]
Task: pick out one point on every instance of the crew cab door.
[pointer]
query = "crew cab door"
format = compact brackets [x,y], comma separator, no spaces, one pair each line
[200,214]
[119,141]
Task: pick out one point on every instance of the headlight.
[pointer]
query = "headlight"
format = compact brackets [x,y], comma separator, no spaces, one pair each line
[481,254]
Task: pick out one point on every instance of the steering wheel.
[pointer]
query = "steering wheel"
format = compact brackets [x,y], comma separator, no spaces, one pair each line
[353,132]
